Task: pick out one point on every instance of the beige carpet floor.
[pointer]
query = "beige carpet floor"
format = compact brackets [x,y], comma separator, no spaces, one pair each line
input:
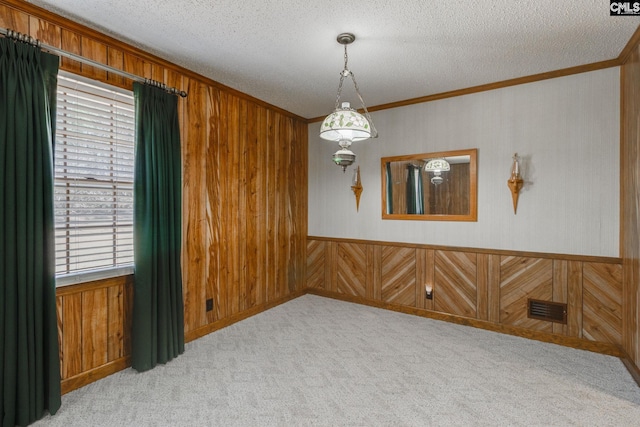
[319,362]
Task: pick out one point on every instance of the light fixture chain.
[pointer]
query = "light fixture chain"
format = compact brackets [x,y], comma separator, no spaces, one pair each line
[346,59]
[339,92]
[374,132]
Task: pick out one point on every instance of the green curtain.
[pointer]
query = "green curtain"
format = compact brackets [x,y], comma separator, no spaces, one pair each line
[158,313]
[389,179]
[29,357]
[415,193]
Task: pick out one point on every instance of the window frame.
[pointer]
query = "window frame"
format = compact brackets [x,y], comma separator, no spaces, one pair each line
[62,229]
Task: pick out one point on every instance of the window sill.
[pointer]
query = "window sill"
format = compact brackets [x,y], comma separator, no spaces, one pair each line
[90,276]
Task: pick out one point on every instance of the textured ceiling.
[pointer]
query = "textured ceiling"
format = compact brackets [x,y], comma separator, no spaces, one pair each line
[285,51]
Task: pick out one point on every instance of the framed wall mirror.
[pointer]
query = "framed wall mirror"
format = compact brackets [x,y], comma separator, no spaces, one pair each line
[438,186]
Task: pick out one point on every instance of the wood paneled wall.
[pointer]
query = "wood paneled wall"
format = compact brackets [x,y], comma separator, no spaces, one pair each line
[244,202]
[491,287]
[630,188]
[94,320]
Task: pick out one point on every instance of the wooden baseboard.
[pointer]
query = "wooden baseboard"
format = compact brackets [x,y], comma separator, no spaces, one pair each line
[223,323]
[87,377]
[597,347]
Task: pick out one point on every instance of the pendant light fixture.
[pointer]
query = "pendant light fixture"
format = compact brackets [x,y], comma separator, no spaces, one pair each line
[436,167]
[346,125]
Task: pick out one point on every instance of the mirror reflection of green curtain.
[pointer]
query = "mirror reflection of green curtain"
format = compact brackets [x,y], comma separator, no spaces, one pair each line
[29,357]
[389,178]
[158,308]
[415,193]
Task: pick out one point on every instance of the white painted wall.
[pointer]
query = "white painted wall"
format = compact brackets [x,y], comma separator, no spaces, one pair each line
[566,130]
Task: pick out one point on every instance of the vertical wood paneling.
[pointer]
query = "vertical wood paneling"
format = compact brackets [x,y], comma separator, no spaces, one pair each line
[280,241]
[215,168]
[94,324]
[421,277]
[128,314]
[370,272]
[295,222]
[602,302]
[493,288]
[115,59]
[560,291]
[14,20]
[331,266]
[115,322]
[455,281]
[242,214]
[272,220]
[232,205]
[284,246]
[244,199]
[96,51]
[157,72]
[60,325]
[94,328]
[574,299]
[252,216]
[399,275]
[482,288]
[630,211]
[45,31]
[376,269]
[522,278]
[261,207]
[134,65]
[298,177]
[71,344]
[70,42]
[430,276]
[194,198]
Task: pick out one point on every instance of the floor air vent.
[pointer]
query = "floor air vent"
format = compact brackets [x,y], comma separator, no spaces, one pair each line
[547,310]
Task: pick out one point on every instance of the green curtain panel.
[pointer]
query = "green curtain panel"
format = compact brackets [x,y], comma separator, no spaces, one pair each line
[158,312]
[29,357]
[389,180]
[415,193]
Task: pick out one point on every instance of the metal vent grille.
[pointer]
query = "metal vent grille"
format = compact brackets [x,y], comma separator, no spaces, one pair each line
[547,310]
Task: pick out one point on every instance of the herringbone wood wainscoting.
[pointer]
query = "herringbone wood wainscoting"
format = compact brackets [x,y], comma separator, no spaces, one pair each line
[481,288]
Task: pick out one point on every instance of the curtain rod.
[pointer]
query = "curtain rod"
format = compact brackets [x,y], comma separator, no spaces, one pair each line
[28,39]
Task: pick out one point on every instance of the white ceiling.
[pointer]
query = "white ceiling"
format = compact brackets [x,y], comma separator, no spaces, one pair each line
[285,51]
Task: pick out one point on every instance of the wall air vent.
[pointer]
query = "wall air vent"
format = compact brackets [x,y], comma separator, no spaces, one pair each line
[547,310]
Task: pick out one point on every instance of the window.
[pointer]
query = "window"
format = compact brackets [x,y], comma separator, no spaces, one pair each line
[94,159]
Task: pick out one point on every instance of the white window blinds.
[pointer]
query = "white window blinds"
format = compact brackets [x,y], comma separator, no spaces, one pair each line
[94,159]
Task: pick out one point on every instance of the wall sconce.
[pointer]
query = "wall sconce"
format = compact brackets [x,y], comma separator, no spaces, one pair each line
[357,187]
[428,291]
[515,182]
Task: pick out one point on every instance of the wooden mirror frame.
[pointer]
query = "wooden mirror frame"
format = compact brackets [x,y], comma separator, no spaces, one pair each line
[473,186]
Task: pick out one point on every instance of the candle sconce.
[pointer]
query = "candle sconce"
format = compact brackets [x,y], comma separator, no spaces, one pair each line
[515,182]
[357,187]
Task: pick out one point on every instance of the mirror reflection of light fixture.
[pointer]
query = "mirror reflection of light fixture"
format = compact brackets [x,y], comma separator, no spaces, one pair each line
[346,125]
[436,167]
